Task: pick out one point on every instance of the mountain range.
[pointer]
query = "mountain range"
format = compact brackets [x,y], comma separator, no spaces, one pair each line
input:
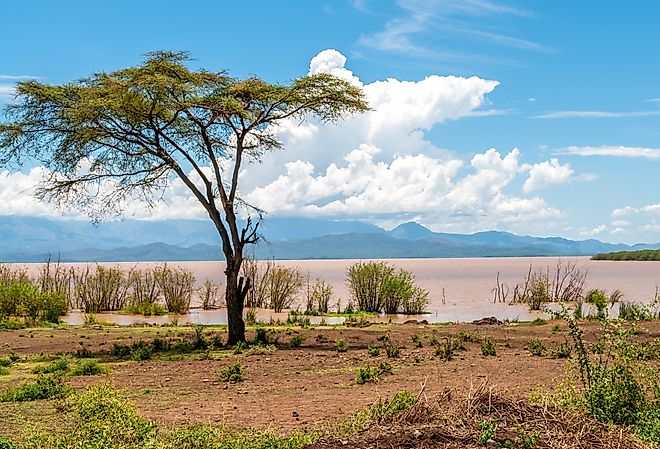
[33,239]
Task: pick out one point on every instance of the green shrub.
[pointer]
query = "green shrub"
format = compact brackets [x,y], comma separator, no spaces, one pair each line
[393,351]
[536,347]
[373,350]
[376,286]
[5,361]
[25,299]
[445,350]
[3,371]
[239,347]
[7,444]
[177,286]
[370,373]
[145,309]
[384,409]
[562,351]
[232,373]
[341,345]
[89,368]
[160,344]
[417,341]
[488,347]
[57,366]
[107,420]
[140,351]
[11,324]
[120,350]
[473,337]
[318,298]
[45,387]
[296,341]
[261,336]
[599,299]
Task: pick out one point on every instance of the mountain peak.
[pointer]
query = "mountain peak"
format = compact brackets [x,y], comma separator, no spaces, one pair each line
[411,231]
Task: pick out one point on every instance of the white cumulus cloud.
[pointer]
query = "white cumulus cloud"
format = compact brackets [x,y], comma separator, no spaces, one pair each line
[547,174]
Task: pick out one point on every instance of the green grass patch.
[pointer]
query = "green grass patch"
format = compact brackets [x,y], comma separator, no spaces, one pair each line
[45,387]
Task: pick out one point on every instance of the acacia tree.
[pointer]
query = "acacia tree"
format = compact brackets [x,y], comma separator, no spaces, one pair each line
[123,136]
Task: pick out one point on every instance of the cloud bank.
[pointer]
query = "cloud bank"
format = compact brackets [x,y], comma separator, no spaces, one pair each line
[378,166]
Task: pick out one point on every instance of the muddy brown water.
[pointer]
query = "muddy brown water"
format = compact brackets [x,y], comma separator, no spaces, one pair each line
[459,289]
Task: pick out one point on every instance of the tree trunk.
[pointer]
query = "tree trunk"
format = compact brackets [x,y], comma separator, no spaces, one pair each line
[237,288]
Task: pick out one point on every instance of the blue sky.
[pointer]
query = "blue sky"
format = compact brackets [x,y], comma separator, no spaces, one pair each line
[577,82]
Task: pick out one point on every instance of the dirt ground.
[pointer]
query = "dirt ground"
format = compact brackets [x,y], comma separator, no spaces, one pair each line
[291,388]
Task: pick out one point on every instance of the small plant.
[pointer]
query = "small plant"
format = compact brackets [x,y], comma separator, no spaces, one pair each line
[341,345]
[562,351]
[89,368]
[199,340]
[417,341]
[233,373]
[488,348]
[538,322]
[296,341]
[487,429]
[5,362]
[472,337]
[3,371]
[372,373]
[261,336]
[536,347]
[556,329]
[393,351]
[373,350]
[83,353]
[445,350]
[239,347]
[383,338]
[366,374]
[251,316]
[7,444]
[529,441]
[139,351]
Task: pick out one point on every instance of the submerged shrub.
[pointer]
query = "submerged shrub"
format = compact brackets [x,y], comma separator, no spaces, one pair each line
[376,286]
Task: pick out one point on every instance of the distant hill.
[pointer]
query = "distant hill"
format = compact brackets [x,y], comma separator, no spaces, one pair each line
[34,239]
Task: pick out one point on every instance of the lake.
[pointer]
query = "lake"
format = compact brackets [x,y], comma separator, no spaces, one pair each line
[465,284]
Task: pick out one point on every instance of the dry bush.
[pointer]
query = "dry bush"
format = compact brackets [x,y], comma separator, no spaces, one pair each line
[562,283]
[144,287]
[56,278]
[487,418]
[211,295]
[101,289]
[10,274]
[257,272]
[273,286]
[283,285]
[319,296]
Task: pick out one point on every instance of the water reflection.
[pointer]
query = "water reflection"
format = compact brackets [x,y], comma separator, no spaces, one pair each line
[219,316]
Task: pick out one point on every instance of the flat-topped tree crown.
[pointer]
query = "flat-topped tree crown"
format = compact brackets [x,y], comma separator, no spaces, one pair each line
[122,136]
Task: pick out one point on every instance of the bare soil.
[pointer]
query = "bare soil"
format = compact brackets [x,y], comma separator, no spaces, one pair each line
[294,387]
